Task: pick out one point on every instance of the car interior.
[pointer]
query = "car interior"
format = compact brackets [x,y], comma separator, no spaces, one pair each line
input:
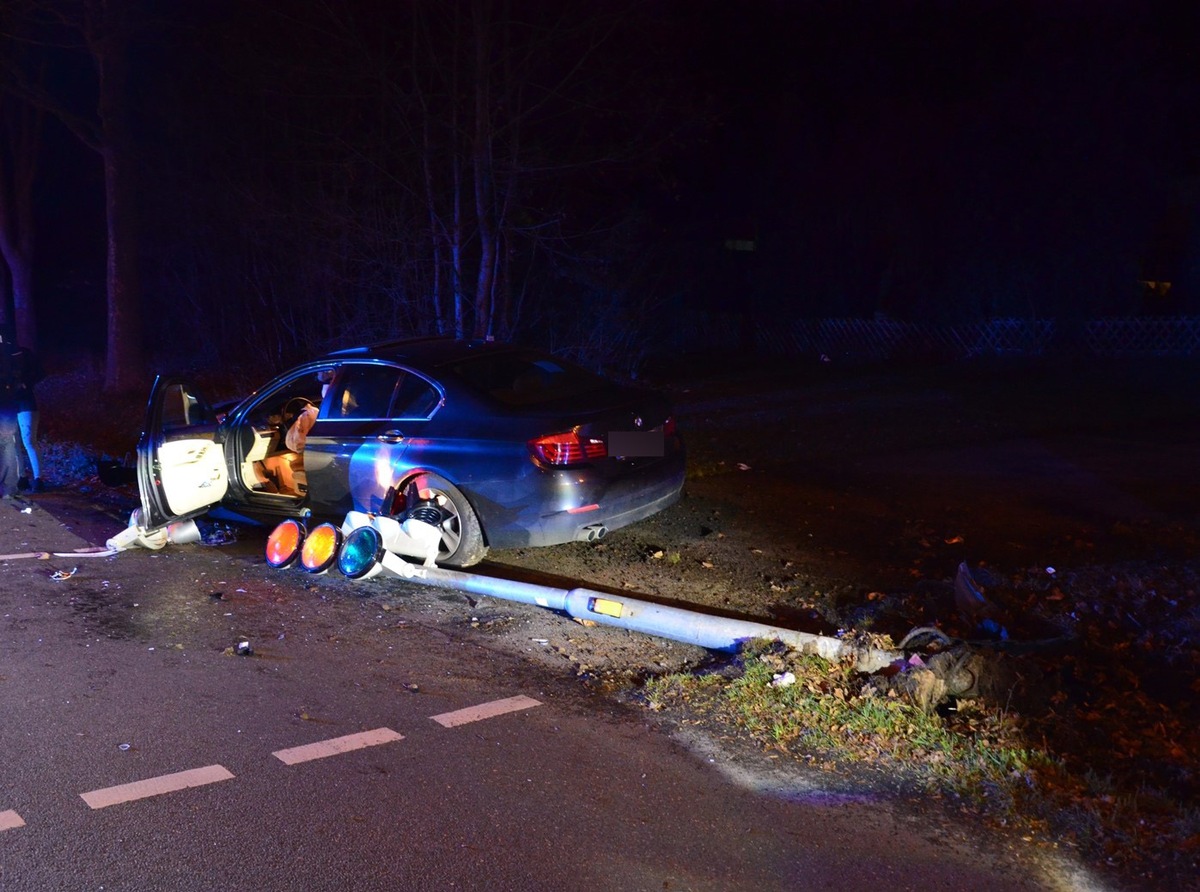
[273,454]
[271,465]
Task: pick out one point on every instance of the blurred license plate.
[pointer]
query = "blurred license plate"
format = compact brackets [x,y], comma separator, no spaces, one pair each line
[632,444]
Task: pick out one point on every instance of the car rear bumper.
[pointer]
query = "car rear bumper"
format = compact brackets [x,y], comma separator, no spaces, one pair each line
[596,529]
[590,509]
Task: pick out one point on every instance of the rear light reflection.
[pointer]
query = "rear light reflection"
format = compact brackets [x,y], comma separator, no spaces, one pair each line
[567,449]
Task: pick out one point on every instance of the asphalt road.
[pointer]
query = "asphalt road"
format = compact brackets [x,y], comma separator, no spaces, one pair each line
[363,749]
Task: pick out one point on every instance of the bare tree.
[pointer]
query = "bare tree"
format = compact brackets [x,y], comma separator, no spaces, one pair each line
[21,129]
[103,32]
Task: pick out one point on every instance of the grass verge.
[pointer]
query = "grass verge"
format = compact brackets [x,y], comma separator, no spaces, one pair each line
[973,754]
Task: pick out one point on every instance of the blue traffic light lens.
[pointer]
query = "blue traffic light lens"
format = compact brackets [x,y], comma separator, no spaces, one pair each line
[361,553]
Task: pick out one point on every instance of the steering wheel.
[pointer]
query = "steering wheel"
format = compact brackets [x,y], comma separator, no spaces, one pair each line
[291,412]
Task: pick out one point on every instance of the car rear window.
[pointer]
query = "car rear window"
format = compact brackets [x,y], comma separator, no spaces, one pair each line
[526,379]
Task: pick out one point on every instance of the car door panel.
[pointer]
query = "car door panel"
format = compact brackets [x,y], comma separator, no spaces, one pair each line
[182,471]
[357,445]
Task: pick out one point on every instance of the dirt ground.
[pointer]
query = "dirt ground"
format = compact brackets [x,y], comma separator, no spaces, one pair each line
[826,498]
[823,497]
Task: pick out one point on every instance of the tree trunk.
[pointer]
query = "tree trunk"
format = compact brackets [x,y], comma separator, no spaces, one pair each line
[23,125]
[124,362]
[482,163]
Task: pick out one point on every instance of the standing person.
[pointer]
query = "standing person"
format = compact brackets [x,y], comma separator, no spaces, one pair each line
[19,372]
[29,374]
[9,385]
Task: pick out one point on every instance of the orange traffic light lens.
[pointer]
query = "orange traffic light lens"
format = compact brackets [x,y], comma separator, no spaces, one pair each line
[320,548]
[283,545]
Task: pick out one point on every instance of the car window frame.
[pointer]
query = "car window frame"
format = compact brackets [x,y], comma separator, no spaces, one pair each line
[400,369]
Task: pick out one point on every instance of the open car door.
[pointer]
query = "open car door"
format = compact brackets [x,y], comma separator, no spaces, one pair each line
[181,468]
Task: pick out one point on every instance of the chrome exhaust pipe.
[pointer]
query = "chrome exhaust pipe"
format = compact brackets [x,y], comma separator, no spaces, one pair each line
[592,533]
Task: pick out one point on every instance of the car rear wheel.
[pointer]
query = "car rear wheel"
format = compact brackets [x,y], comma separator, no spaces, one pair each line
[462,537]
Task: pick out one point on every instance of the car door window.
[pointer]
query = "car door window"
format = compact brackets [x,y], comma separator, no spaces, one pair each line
[379,391]
[181,408]
[362,391]
[415,398]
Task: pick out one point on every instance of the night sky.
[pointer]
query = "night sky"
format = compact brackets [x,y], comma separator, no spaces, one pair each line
[931,161]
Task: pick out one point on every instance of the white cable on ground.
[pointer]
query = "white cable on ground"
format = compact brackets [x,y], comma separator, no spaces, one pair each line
[95,551]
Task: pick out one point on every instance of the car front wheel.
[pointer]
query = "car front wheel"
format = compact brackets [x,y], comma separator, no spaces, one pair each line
[462,542]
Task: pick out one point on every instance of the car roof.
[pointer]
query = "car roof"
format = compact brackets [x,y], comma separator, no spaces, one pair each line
[430,351]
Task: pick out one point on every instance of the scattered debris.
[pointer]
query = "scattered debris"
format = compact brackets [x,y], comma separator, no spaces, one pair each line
[220,535]
[974,606]
[64,574]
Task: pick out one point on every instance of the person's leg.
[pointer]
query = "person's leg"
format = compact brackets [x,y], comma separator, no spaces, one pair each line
[8,455]
[28,456]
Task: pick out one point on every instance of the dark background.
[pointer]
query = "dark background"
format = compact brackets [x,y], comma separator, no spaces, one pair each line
[936,161]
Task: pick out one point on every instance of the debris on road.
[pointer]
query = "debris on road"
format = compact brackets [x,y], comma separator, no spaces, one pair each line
[974,606]
[219,535]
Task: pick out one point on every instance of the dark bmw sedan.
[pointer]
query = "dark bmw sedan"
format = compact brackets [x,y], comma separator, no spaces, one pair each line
[514,446]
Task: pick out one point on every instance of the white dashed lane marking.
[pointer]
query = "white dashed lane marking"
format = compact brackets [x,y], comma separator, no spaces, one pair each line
[484,711]
[211,774]
[156,786]
[10,820]
[336,746]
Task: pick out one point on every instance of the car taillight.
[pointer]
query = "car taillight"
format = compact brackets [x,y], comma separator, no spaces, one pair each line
[567,449]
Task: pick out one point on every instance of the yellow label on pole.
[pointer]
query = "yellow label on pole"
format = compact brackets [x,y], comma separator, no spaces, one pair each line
[605,606]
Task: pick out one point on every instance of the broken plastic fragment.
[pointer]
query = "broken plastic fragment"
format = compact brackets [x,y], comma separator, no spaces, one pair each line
[783,679]
[64,574]
[219,536]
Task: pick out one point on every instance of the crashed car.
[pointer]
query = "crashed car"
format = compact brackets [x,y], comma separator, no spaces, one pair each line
[515,447]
